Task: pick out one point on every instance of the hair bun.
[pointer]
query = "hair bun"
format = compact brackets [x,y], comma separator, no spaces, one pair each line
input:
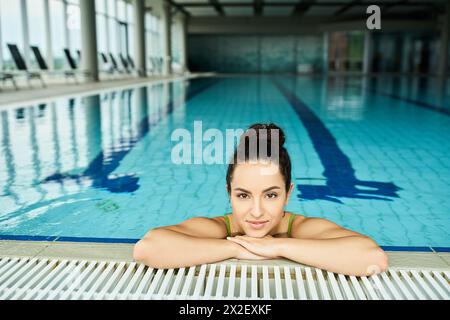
[269,127]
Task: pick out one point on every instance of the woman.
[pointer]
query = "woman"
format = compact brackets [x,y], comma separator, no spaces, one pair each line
[259,187]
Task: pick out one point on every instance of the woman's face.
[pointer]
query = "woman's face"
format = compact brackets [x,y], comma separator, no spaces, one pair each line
[258,196]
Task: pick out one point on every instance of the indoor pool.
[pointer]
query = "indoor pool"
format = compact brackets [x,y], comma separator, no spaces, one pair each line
[372,155]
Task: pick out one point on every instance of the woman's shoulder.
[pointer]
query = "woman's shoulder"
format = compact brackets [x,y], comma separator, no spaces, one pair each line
[295,217]
[221,219]
[226,222]
[311,227]
[202,227]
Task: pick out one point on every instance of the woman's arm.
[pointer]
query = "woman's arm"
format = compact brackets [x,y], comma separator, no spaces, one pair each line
[326,245]
[193,242]
[352,255]
[323,244]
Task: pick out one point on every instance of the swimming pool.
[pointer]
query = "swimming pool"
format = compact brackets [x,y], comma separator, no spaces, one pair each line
[372,155]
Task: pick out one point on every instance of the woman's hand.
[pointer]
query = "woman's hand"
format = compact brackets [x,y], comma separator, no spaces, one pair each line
[243,254]
[264,247]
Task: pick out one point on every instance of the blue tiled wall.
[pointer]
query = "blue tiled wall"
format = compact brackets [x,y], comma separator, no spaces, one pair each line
[310,50]
[250,54]
[277,54]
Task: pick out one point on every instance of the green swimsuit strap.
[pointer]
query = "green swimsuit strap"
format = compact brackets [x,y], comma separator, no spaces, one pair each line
[291,220]
[227,221]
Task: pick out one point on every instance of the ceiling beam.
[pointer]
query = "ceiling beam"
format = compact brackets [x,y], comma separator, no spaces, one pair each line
[258,7]
[302,6]
[388,6]
[435,6]
[315,4]
[348,6]
[217,6]
[179,7]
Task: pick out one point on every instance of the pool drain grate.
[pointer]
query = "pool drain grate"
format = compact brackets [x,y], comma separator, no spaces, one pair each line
[45,278]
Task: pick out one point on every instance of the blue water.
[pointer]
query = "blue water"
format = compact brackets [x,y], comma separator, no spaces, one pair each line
[372,155]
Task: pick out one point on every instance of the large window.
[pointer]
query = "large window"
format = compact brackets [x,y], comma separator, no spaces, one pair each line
[113,27]
[58,32]
[65,25]
[126,26]
[153,36]
[102,26]
[130,21]
[176,42]
[36,24]
[115,30]
[74,25]
[11,29]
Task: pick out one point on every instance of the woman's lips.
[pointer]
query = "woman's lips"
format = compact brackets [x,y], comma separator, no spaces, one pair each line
[257,224]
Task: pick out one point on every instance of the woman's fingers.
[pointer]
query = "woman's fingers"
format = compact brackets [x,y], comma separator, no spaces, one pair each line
[238,241]
[243,243]
[247,245]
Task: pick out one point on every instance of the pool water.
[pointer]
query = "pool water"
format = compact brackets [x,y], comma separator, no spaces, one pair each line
[372,155]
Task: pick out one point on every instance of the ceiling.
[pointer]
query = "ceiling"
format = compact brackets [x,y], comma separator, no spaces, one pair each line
[308,8]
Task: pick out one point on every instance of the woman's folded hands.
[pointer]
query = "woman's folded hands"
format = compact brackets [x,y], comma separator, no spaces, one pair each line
[256,248]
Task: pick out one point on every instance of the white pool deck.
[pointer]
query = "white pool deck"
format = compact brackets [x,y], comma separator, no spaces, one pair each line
[16,98]
[124,252]
[86,271]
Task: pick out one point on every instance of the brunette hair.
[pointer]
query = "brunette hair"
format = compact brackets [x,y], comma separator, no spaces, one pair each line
[269,137]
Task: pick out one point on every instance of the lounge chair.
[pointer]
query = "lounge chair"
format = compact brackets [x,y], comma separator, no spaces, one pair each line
[133,65]
[22,66]
[8,76]
[154,64]
[125,64]
[104,58]
[114,64]
[44,66]
[109,69]
[70,60]
[157,64]
[40,60]
[73,65]
[131,62]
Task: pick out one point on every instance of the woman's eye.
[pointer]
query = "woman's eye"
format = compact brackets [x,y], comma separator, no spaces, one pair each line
[242,196]
[272,195]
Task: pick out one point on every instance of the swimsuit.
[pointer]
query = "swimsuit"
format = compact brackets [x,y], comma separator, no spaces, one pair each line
[291,220]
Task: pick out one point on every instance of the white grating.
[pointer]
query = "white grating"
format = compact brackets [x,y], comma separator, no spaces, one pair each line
[41,278]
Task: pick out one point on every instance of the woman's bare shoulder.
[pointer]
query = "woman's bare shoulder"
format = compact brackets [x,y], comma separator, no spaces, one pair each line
[298,218]
[318,228]
[202,227]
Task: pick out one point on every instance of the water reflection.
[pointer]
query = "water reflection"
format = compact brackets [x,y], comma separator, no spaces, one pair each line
[423,92]
[10,171]
[53,150]
[36,161]
[126,122]
[340,179]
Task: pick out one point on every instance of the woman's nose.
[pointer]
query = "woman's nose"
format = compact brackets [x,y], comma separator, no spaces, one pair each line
[257,211]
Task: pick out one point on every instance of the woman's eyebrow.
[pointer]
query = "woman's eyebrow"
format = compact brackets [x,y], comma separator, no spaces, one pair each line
[265,190]
[271,188]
